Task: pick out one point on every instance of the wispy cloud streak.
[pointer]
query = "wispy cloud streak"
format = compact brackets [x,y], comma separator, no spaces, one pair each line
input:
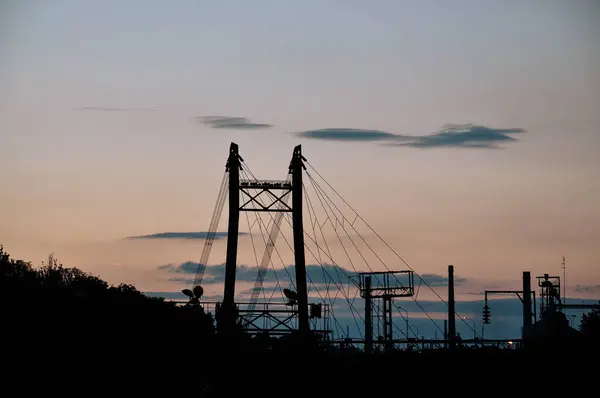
[460,136]
[316,273]
[230,122]
[108,109]
[182,235]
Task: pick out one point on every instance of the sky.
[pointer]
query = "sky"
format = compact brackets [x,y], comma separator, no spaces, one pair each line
[464,132]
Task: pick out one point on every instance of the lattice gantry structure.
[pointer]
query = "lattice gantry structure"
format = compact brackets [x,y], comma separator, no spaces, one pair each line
[550,299]
[385,286]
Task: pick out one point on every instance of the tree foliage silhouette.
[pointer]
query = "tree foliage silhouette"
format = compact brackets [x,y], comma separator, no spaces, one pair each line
[66,321]
[590,323]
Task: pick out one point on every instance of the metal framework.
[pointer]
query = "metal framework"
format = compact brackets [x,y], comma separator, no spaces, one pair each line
[228,312]
[549,293]
[526,295]
[384,285]
[276,319]
[275,191]
[273,319]
[550,298]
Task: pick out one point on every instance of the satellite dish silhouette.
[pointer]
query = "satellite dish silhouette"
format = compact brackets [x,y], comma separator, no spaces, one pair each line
[188,293]
[198,291]
[291,295]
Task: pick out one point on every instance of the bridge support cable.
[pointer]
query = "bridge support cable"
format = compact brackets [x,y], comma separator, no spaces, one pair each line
[346,221]
[247,173]
[357,216]
[339,286]
[312,223]
[339,329]
[307,234]
[273,223]
[212,230]
[332,311]
[315,222]
[266,258]
[269,247]
[263,227]
[338,222]
[328,252]
[278,286]
[328,218]
[318,258]
[252,305]
[255,256]
[258,285]
[331,216]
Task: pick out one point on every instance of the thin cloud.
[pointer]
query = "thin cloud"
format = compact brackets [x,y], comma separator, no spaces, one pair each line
[229,122]
[317,274]
[587,289]
[108,109]
[215,274]
[347,134]
[459,136]
[435,280]
[182,235]
[464,136]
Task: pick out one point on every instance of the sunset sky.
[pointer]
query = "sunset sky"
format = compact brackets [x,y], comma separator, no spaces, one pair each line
[102,135]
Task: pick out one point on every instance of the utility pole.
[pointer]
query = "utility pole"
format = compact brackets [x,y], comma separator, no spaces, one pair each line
[527,321]
[368,317]
[451,309]
[525,295]
[564,281]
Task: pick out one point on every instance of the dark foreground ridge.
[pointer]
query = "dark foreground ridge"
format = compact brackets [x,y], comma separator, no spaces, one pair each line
[69,333]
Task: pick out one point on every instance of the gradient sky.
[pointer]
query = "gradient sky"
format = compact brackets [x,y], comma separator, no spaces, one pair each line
[78,181]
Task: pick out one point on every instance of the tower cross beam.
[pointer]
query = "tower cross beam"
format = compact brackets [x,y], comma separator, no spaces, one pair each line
[274,199]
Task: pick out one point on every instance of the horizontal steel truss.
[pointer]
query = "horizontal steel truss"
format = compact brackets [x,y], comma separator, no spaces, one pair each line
[385,284]
[279,320]
[272,198]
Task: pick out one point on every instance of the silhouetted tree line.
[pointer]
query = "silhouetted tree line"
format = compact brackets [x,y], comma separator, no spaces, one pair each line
[67,332]
[71,328]
[590,323]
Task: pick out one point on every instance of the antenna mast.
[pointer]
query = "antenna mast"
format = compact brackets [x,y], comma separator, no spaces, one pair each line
[564,281]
